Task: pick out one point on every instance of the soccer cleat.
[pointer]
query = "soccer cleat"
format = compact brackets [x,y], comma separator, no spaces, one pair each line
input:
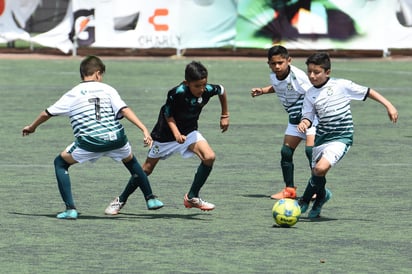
[303,205]
[287,192]
[69,214]
[153,204]
[317,206]
[198,203]
[114,207]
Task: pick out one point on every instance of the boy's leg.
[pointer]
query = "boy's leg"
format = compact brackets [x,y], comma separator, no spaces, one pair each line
[63,181]
[287,166]
[290,143]
[138,178]
[207,156]
[199,180]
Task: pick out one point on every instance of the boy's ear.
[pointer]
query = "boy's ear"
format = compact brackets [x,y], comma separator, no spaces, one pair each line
[185,82]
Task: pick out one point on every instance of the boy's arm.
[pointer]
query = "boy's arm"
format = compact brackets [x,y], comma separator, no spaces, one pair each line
[259,91]
[43,117]
[224,117]
[131,116]
[392,111]
[176,132]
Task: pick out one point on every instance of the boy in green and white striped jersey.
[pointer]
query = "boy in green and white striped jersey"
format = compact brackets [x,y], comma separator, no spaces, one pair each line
[329,101]
[94,109]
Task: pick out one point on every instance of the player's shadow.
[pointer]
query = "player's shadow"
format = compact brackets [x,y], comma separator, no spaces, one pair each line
[120,216]
[255,196]
[317,220]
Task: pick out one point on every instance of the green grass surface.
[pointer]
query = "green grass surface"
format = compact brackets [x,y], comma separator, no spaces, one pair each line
[366,226]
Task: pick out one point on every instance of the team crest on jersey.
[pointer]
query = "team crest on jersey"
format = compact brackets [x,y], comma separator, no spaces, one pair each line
[83,92]
[329,92]
[155,149]
[199,100]
[289,87]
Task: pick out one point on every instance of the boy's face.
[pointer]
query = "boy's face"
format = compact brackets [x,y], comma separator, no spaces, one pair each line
[197,87]
[317,75]
[279,66]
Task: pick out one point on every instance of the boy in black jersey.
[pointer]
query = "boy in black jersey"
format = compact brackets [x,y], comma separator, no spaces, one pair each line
[176,129]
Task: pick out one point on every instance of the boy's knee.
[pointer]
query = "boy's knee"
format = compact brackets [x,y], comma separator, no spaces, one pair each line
[147,168]
[287,153]
[60,162]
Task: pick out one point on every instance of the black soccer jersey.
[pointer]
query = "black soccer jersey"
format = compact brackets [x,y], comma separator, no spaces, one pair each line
[184,108]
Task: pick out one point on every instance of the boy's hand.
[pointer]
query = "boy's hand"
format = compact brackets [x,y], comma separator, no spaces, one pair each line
[224,123]
[256,92]
[27,130]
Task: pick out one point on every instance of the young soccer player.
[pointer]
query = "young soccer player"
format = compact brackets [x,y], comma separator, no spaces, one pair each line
[329,100]
[176,131]
[290,85]
[94,109]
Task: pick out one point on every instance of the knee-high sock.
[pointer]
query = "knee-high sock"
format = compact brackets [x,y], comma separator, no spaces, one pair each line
[316,185]
[201,176]
[308,152]
[63,181]
[286,163]
[138,178]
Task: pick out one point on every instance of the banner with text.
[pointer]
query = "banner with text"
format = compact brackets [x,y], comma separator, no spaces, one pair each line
[181,24]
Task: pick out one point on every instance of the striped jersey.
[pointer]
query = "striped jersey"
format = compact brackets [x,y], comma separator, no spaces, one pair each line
[185,108]
[291,92]
[94,112]
[331,104]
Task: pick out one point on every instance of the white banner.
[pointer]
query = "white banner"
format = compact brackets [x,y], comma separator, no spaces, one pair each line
[180,24]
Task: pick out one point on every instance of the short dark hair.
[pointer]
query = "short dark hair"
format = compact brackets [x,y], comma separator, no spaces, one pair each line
[278,50]
[195,71]
[90,65]
[321,59]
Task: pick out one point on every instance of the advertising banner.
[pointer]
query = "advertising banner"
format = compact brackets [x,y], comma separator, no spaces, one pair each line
[181,24]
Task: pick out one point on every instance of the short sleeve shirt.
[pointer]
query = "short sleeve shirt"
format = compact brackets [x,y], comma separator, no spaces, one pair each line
[331,105]
[94,112]
[291,92]
[184,108]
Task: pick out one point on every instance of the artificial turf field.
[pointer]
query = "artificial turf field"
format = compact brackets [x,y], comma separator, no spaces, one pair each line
[365,227]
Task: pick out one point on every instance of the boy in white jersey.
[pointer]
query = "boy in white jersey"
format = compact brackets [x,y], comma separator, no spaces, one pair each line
[95,109]
[290,85]
[329,101]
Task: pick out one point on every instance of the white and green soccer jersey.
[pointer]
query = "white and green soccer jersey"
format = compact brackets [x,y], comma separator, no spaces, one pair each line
[94,112]
[331,104]
[291,92]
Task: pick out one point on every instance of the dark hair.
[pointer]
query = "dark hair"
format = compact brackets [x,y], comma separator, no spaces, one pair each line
[278,50]
[90,65]
[195,71]
[321,59]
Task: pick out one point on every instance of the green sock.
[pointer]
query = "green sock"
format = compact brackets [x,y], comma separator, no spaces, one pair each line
[288,173]
[308,152]
[138,179]
[63,181]
[286,163]
[201,176]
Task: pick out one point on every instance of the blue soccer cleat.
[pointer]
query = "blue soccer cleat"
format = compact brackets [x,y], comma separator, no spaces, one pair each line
[69,214]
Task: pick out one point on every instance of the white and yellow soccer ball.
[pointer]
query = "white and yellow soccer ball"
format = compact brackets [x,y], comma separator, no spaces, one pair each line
[286,212]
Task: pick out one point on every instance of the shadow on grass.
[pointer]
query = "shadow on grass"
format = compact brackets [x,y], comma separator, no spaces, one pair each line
[256,196]
[195,216]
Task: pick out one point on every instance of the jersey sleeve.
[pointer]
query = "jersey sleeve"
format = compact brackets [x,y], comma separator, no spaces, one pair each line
[117,102]
[63,105]
[300,80]
[355,91]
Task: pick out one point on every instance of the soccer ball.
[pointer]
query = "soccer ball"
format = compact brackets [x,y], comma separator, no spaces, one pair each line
[286,212]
